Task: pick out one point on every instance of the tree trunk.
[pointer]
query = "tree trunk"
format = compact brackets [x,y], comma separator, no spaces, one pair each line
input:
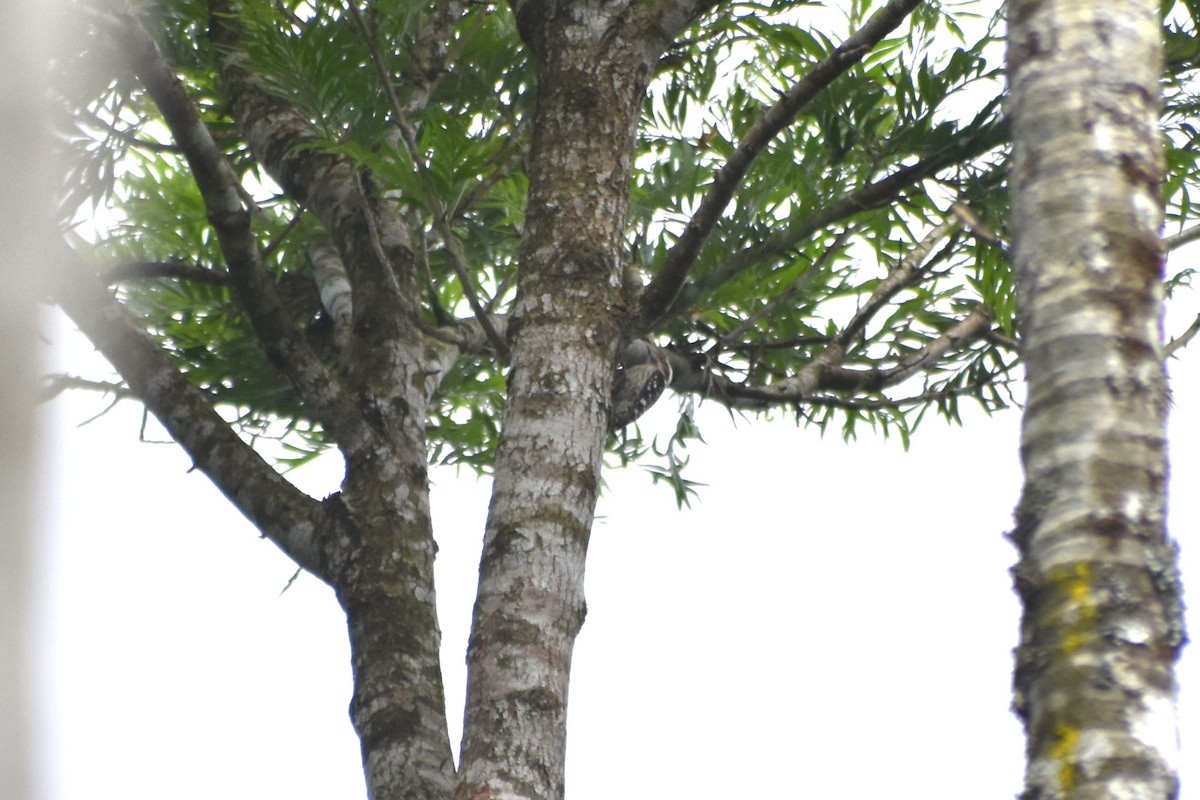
[384,581]
[1102,623]
[566,326]
[380,564]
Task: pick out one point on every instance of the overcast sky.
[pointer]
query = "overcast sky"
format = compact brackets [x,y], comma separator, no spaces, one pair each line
[828,618]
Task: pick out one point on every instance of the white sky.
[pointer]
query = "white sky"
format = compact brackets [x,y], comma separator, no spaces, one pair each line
[822,608]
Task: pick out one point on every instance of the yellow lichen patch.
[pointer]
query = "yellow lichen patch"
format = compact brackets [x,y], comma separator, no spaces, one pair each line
[1073,640]
[1066,740]
[1078,613]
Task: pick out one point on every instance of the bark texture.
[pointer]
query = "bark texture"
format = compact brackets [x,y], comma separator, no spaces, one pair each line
[1102,621]
[565,330]
[382,567]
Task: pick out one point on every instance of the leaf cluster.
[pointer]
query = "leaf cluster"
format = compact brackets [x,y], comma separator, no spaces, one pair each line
[797,271]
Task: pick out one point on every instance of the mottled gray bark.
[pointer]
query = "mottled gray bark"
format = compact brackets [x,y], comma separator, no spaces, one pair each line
[530,604]
[381,567]
[594,62]
[1097,574]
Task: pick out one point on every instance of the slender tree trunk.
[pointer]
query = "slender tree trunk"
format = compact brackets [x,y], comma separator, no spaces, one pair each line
[384,581]
[530,604]
[1102,622]
[380,561]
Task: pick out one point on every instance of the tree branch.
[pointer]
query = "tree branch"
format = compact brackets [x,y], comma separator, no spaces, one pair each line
[453,251]
[820,371]
[661,292]
[1180,239]
[1181,341]
[374,245]
[284,346]
[872,195]
[807,385]
[441,216]
[770,307]
[129,137]
[970,328]
[175,270]
[333,285]
[291,519]
[54,385]
[907,272]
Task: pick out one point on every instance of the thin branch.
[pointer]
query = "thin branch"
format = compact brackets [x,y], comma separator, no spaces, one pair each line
[130,137]
[881,404]
[799,283]
[427,55]
[872,195]
[996,337]
[956,337]
[173,270]
[381,67]
[906,273]
[661,292]
[910,270]
[293,20]
[450,241]
[440,315]
[1180,239]
[57,384]
[468,334]
[441,217]
[808,386]
[509,156]
[1181,341]
[275,243]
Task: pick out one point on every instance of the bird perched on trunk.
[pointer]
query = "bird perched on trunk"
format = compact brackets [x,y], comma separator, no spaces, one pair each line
[643,374]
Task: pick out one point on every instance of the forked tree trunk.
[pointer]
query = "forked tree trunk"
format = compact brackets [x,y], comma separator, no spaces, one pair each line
[1102,622]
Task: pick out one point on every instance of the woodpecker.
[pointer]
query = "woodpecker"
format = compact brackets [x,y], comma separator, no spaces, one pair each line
[640,380]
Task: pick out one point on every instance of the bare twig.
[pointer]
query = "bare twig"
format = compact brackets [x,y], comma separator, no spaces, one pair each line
[1181,341]
[969,328]
[274,244]
[54,385]
[906,273]
[884,403]
[808,387]
[129,137]
[1183,237]
[508,157]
